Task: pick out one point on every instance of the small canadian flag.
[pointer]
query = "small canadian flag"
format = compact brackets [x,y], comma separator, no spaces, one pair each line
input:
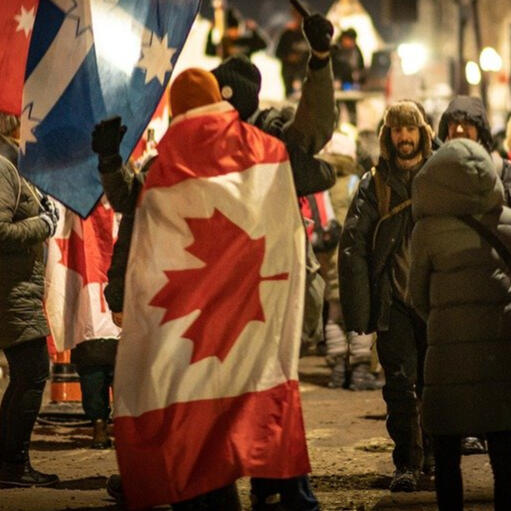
[78,259]
[206,383]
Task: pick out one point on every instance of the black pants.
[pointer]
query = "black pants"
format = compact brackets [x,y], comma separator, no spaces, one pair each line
[95,383]
[448,481]
[29,370]
[401,350]
[224,499]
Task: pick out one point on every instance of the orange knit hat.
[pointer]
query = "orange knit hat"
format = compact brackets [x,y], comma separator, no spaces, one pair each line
[193,88]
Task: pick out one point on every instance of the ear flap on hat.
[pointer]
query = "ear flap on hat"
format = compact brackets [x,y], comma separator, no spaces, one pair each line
[426,140]
[385,142]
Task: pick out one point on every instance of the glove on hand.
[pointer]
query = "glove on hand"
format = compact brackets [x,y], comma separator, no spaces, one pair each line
[51,222]
[318,31]
[49,207]
[107,137]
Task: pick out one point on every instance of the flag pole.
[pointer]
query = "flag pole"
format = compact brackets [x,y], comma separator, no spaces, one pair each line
[218,24]
[302,10]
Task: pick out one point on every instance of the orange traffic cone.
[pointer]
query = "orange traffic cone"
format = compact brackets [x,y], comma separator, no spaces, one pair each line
[65,406]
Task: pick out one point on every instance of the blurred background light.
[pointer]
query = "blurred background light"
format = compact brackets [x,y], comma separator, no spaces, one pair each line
[490,60]
[413,57]
[473,73]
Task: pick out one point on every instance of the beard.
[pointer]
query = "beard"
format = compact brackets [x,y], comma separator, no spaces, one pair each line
[407,154]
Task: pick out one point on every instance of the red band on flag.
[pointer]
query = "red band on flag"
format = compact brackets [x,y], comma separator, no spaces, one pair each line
[237,147]
[16,22]
[225,439]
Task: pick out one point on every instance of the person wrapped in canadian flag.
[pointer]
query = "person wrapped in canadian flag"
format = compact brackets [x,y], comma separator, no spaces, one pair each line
[206,382]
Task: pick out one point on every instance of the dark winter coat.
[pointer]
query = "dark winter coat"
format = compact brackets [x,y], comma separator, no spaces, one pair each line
[366,254]
[21,255]
[461,286]
[122,188]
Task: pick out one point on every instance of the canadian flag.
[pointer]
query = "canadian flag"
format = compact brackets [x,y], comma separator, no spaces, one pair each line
[16,22]
[76,274]
[206,381]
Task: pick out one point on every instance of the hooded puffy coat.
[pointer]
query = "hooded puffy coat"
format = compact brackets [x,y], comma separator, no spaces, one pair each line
[462,287]
[21,256]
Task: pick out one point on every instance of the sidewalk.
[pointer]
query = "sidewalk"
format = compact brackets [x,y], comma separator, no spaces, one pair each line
[348,445]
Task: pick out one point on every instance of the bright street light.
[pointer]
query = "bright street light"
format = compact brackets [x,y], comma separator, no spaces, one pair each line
[473,73]
[413,57]
[490,60]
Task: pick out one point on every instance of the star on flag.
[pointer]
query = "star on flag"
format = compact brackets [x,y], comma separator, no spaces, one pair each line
[156,59]
[25,20]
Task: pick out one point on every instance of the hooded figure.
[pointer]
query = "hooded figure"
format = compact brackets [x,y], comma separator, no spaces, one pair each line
[466,117]
[462,288]
[467,108]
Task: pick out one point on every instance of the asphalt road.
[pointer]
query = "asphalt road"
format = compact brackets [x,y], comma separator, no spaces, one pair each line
[348,445]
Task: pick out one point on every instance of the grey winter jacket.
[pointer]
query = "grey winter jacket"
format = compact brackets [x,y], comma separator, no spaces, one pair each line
[22,234]
[462,288]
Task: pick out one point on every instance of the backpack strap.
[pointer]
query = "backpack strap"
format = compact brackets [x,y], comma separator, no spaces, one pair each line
[383,192]
[490,237]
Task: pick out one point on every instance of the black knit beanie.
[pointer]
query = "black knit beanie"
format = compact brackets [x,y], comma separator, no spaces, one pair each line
[240,83]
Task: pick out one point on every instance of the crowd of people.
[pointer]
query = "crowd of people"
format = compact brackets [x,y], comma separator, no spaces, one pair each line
[407,247]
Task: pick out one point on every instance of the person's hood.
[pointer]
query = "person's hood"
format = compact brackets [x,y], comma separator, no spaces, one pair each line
[471,109]
[459,179]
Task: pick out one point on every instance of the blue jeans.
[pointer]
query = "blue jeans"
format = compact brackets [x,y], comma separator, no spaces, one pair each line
[295,493]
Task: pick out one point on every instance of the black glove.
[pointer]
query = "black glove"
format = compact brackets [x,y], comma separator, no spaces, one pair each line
[107,137]
[318,31]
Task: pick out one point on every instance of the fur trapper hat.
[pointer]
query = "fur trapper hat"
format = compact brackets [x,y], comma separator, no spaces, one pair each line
[404,113]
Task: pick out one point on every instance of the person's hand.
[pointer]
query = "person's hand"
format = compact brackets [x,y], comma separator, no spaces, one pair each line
[117,319]
[48,206]
[50,220]
[107,137]
[318,31]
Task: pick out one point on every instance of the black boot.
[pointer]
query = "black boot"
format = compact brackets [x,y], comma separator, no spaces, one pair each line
[100,438]
[23,475]
[114,487]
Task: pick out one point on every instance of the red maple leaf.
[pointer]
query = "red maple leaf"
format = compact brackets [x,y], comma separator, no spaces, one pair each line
[90,256]
[225,290]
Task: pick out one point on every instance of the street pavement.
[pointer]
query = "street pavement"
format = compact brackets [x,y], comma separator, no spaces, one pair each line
[348,445]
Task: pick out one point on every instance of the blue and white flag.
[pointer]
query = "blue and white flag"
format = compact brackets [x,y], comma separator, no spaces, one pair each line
[90,60]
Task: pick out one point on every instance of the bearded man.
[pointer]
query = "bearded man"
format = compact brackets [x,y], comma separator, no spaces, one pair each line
[374,264]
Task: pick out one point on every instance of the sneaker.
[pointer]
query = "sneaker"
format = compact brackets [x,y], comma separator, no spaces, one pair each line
[338,374]
[114,487]
[363,379]
[23,475]
[473,445]
[405,480]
